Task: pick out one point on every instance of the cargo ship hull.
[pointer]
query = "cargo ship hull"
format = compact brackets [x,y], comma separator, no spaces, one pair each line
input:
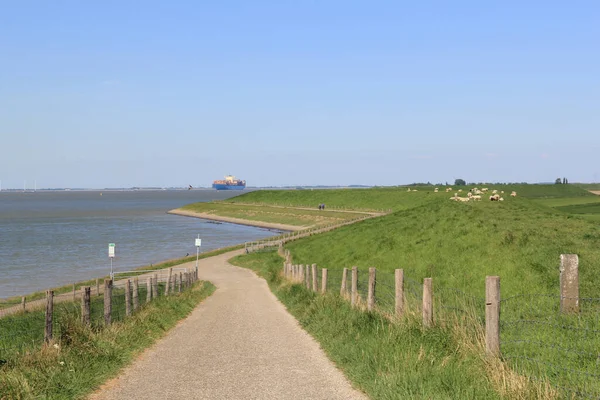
[220,186]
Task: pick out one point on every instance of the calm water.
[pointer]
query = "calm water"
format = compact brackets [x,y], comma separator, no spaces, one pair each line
[49,239]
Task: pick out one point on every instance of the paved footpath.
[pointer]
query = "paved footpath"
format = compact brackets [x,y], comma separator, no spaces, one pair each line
[240,343]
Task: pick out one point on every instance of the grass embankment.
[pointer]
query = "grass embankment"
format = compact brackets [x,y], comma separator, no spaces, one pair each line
[458,244]
[82,358]
[12,301]
[385,359]
[279,215]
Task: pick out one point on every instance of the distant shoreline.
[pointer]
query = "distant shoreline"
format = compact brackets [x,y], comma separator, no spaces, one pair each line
[239,221]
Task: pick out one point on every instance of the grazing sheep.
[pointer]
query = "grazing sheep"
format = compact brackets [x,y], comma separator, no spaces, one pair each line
[502,191]
[463,199]
[513,194]
[494,197]
[476,197]
[484,190]
[494,191]
[501,199]
[459,190]
[435,190]
[469,194]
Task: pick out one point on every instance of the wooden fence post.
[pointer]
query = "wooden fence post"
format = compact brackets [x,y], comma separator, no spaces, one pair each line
[301,274]
[23,303]
[74,293]
[569,283]
[427,303]
[314,278]
[307,276]
[148,289]
[324,280]
[136,288]
[492,315]
[128,297]
[343,288]
[167,286]
[86,305]
[155,287]
[354,287]
[107,301]
[49,314]
[399,278]
[97,287]
[371,291]
[179,283]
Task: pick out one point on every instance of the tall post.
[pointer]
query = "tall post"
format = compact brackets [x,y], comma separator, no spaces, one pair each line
[324,280]
[569,283]
[49,315]
[371,290]
[128,297]
[314,278]
[343,288]
[74,293]
[399,280]
[136,293]
[492,315]
[179,283]
[301,274]
[427,302]
[97,287]
[354,287]
[155,286]
[108,285]
[167,286]
[23,303]
[307,276]
[86,305]
[148,289]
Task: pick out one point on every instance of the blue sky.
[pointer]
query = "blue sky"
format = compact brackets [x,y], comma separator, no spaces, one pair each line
[124,93]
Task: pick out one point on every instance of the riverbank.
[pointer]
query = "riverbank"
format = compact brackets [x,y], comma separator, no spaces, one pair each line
[239,221]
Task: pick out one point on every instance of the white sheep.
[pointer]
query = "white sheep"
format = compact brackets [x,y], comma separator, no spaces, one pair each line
[494,191]
[476,197]
[513,194]
[501,199]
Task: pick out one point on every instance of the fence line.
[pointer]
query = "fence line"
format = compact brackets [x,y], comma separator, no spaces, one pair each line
[28,330]
[555,338]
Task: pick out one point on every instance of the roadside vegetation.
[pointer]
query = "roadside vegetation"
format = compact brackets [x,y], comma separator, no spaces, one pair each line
[458,244]
[391,359]
[82,358]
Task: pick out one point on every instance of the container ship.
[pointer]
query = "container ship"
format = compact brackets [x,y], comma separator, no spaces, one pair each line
[229,183]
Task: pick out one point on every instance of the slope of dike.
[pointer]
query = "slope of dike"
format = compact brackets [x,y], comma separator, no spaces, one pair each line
[240,221]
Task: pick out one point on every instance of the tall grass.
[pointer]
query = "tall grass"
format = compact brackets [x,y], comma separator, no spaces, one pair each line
[81,358]
[393,359]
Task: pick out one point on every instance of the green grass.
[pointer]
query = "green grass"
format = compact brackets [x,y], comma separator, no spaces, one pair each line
[384,359]
[84,358]
[288,216]
[520,240]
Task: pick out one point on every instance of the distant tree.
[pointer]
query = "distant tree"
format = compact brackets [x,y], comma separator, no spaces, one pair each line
[460,182]
[558,181]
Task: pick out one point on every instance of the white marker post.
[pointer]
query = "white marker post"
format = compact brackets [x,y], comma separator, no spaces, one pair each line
[111,255]
[198,244]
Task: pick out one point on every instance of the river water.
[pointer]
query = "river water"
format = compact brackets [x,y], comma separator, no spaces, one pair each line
[50,239]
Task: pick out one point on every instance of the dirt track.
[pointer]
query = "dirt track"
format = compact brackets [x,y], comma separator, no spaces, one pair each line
[260,224]
[240,343]
[597,192]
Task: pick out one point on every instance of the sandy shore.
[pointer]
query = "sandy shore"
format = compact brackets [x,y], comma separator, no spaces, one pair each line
[597,192]
[260,224]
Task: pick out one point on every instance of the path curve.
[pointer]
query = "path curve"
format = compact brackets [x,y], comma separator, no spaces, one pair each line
[240,343]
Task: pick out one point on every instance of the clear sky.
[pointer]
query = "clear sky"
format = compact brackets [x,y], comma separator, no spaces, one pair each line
[304,92]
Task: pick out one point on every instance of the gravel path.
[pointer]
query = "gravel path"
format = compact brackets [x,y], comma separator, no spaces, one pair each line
[240,343]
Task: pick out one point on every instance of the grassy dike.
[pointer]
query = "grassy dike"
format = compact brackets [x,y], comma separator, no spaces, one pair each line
[394,359]
[83,358]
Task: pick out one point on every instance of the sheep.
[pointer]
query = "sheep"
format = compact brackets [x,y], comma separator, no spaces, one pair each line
[463,199]
[494,191]
[502,191]
[484,190]
[476,197]
[494,197]
[501,199]
[469,194]
[435,190]
[459,190]
[513,194]
[408,190]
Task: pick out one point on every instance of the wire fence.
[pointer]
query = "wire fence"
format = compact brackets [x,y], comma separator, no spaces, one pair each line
[55,319]
[536,337]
